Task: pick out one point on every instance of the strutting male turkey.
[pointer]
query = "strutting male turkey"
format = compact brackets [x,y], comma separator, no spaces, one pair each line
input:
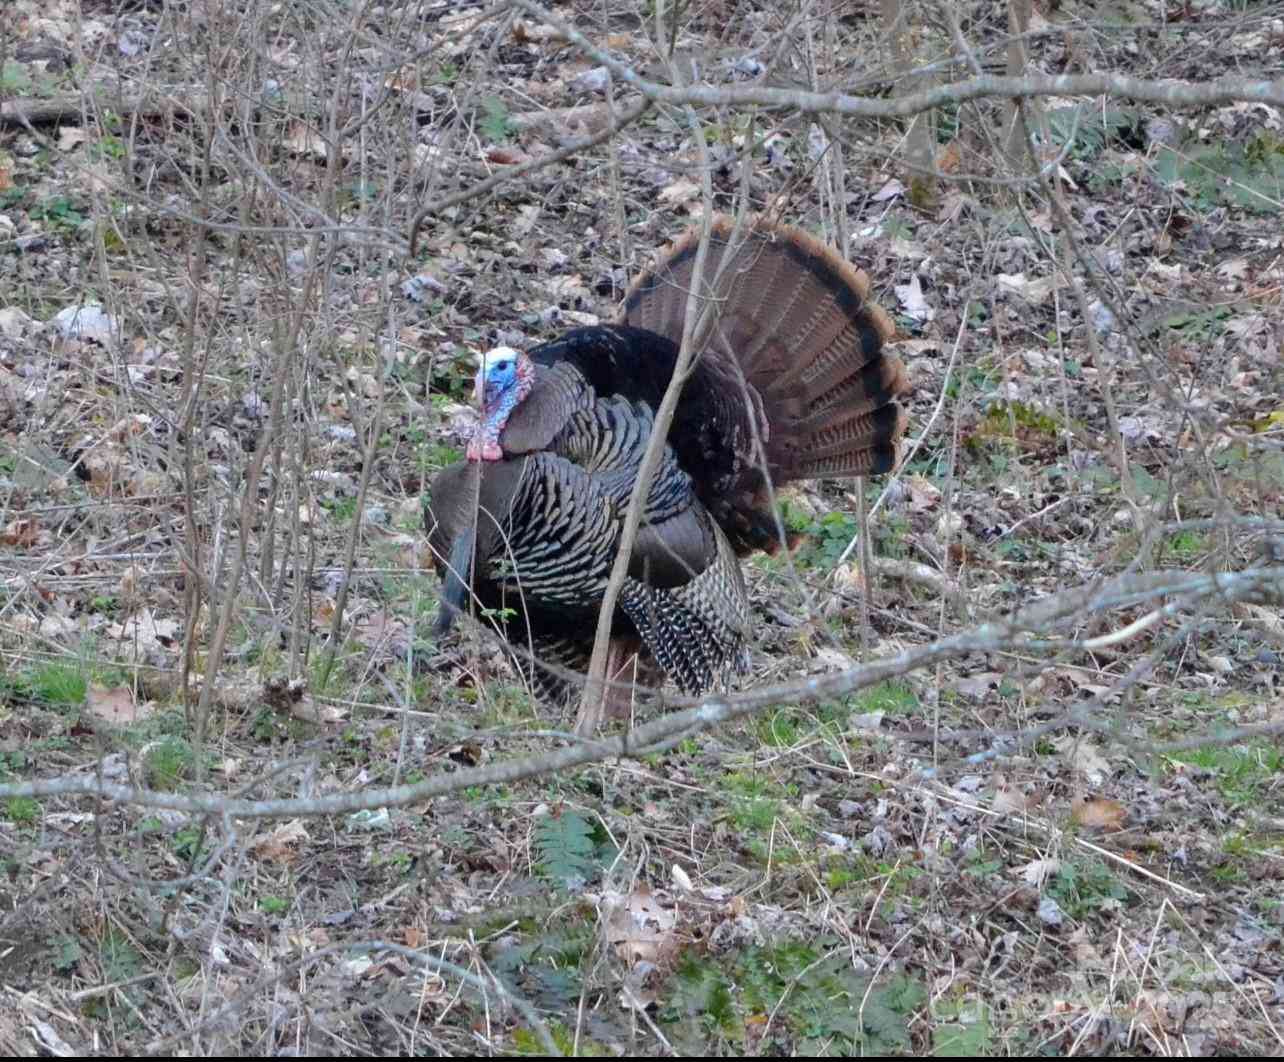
[793,380]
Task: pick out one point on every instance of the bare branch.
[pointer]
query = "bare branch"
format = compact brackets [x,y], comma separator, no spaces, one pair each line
[1171,93]
[1043,617]
[625,117]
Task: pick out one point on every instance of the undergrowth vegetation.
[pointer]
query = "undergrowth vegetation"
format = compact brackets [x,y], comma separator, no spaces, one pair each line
[225,387]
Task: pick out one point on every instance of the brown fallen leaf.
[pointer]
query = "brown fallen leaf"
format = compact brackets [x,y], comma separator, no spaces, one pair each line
[311,712]
[382,628]
[145,633]
[22,533]
[680,191]
[1082,947]
[1011,798]
[70,137]
[116,705]
[282,844]
[1098,813]
[525,33]
[949,158]
[639,928]
[979,685]
[130,426]
[923,494]
[1037,871]
[469,754]
[1084,757]
[302,139]
[503,156]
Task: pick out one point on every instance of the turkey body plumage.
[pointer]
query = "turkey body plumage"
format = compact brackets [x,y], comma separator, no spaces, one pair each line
[792,383]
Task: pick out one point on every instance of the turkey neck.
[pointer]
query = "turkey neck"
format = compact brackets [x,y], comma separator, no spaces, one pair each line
[558,391]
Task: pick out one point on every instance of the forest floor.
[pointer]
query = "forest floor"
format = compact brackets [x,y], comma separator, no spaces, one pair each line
[224,386]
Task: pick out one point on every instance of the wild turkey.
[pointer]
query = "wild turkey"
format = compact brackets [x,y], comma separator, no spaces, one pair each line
[793,381]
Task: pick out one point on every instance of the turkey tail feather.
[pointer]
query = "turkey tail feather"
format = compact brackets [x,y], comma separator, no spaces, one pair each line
[796,330]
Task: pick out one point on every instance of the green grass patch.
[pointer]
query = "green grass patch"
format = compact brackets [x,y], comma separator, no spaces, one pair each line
[342,510]
[67,954]
[1084,130]
[789,726]
[891,698]
[1087,887]
[1012,427]
[58,683]
[121,960]
[825,538]
[15,80]
[58,212]
[22,811]
[783,729]
[571,849]
[828,1008]
[169,761]
[546,964]
[1248,176]
[861,869]
[755,804]
[504,705]
[1185,547]
[527,1044]
[1243,773]
[188,842]
[274,906]
[964,1029]
[495,124]
[981,378]
[1250,466]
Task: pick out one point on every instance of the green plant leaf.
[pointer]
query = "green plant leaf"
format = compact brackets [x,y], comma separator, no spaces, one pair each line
[565,846]
[494,124]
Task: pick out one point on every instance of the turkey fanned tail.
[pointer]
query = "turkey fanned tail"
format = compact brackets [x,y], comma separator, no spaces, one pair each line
[793,371]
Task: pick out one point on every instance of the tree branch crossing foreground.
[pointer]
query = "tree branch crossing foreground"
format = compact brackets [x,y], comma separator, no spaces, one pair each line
[1037,621]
